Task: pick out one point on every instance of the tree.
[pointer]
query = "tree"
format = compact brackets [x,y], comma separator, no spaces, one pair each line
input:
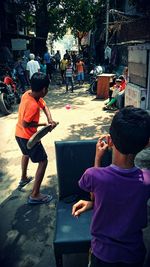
[55,16]
[79,16]
[46,15]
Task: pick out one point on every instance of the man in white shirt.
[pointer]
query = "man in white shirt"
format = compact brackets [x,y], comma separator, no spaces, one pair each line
[32,66]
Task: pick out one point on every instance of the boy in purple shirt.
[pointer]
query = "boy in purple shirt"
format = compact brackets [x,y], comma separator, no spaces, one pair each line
[119,193]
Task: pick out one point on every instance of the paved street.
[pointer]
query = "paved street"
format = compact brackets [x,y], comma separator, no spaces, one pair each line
[26,231]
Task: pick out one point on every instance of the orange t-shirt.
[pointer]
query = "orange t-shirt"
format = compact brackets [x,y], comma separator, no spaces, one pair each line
[80,66]
[29,111]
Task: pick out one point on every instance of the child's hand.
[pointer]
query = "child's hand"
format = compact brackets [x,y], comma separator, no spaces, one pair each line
[101,146]
[81,206]
[53,124]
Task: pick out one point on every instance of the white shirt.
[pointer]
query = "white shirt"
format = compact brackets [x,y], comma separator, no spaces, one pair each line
[32,66]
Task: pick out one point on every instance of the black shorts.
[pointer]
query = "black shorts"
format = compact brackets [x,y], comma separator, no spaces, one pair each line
[36,154]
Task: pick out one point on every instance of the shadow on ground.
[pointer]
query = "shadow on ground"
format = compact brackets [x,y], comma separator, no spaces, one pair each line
[25,226]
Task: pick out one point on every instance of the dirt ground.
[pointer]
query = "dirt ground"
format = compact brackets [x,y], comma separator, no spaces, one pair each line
[27,232]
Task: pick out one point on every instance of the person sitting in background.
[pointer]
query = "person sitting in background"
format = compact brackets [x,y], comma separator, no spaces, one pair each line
[120,97]
[8,80]
[116,90]
[111,84]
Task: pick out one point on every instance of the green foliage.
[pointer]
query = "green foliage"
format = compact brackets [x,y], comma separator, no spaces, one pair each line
[79,15]
[56,16]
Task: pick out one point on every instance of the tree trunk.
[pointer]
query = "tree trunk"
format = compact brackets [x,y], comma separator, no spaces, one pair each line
[41,28]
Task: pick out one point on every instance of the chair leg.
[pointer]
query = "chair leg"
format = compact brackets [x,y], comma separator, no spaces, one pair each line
[58,259]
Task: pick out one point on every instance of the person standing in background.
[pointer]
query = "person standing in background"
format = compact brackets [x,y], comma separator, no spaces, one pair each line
[32,66]
[20,73]
[67,55]
[69,76]
[43,66]
[48,62]
[80,71]
[57,59]
[63,65]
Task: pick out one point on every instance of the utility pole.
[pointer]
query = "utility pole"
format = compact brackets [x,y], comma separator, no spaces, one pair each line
[107,21]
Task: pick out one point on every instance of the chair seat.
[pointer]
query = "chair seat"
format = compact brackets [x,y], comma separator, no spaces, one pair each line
[71,234]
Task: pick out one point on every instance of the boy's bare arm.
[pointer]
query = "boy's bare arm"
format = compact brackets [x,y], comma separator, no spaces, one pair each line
[35,124]
[32,124]
[101,146]
[49,117]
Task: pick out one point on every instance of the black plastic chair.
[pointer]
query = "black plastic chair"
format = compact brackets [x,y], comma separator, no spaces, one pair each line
[72,235]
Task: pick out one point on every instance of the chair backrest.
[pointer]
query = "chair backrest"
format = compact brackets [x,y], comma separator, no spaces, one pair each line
[72,159]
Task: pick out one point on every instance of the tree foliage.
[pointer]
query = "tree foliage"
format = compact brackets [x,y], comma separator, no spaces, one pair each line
[79,15]
[56,16]
[46,15]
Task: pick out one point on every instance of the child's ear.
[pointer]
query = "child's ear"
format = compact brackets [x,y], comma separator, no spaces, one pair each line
[44,91]
[110,142]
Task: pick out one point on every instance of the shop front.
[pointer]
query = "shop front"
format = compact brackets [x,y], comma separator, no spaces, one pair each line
[137,91]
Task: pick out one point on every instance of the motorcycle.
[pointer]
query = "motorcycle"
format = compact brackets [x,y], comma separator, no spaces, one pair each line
[93,78]
[7,98]
[8,95]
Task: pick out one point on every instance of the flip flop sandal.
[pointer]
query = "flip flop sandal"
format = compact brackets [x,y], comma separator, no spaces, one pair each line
[46,199]
[22,183]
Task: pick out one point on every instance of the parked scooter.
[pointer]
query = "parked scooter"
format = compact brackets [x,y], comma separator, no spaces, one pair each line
[8,95]
[93,79]
[7,98]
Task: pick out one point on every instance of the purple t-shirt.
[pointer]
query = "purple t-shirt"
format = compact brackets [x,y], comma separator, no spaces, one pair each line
[120,212]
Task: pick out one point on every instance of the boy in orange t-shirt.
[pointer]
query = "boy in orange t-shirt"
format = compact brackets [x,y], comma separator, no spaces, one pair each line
[80,71]
[28,121]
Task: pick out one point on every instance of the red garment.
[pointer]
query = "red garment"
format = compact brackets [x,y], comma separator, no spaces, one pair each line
[118,87]
[9,81]
[123,85]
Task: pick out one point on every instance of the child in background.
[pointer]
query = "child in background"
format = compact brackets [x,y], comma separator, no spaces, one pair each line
[116,89]
[80,71]
[119,193]
[69,76]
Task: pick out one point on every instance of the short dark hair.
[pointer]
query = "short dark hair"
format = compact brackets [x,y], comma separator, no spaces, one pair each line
[130,130]
[39,81]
